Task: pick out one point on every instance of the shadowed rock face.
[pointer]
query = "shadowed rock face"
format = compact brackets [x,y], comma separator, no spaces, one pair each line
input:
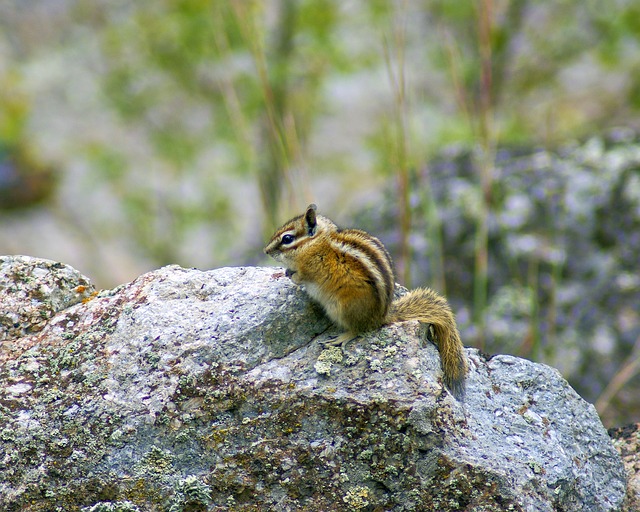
[191,390]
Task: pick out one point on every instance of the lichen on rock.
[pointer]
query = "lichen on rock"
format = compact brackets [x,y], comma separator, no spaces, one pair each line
[32,290]
[191,390]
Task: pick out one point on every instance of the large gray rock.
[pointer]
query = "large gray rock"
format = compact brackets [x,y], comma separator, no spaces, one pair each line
[627,441]
[32,290]
[189,390]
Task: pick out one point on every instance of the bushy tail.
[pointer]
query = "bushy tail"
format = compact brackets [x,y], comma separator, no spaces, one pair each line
[427,306]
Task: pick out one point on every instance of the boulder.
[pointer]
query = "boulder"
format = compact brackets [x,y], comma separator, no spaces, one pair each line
[32,290]
[191,390]
[627,441]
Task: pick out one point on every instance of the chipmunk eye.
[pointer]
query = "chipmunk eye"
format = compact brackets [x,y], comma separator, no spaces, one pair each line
[288,239]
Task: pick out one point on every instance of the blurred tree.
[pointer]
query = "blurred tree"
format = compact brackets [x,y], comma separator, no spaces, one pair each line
[224,88]
[229,75]
[25,180]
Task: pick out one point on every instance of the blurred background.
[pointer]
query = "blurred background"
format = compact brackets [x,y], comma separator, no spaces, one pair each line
[492,145]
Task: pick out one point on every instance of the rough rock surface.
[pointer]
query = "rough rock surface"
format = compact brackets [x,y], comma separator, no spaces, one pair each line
[627,442]
[190,390]
[32,290]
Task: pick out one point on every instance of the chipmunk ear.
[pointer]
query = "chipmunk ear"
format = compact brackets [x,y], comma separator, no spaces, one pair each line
[310,219]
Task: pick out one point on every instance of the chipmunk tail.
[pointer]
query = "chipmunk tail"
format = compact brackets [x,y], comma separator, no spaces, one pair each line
[426,306]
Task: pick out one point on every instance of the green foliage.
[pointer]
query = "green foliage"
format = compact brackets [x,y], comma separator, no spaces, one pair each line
[195,73]
[14,108]
[243,89]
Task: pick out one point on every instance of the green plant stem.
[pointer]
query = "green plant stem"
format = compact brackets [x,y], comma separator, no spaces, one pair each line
[274,165]
[534,321]
[400,151]
[627,371]
[480,276]
[434,236]
[486,164]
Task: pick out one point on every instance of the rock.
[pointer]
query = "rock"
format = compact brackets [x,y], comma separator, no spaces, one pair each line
[627,442]
[562,254]
[191,390]
[32,290]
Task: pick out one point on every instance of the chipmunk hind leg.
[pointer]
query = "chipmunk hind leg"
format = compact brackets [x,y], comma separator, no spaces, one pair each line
[355,317]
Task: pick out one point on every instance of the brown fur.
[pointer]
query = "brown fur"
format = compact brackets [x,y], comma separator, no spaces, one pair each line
[350,273]
[427,306]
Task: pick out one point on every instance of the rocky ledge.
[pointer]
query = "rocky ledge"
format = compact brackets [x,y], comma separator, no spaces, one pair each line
[191,390]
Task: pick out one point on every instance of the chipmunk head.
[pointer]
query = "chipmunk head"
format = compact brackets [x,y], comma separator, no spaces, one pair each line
[290,240]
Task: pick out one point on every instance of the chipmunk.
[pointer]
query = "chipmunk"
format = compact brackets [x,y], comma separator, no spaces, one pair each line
[350,273]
